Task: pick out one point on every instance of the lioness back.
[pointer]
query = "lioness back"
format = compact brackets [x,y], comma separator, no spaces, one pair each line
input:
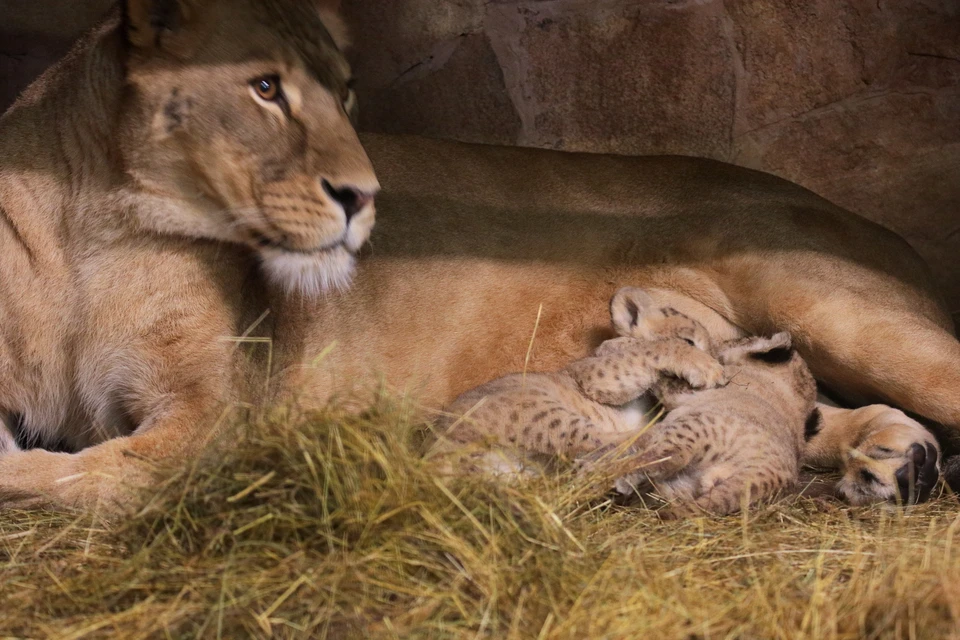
[489,233]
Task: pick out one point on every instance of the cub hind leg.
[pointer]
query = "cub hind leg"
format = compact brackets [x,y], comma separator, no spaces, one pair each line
[695,465]
[517,435]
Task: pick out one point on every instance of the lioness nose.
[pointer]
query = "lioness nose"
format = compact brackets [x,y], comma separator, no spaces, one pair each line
[350,198]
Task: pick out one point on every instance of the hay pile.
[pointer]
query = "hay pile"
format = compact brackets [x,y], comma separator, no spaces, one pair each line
[331,526]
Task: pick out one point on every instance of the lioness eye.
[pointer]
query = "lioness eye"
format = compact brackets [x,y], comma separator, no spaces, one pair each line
[268,88]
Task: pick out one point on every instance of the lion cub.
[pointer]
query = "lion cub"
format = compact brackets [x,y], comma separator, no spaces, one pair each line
[549,414]
[720,448]
[715,443]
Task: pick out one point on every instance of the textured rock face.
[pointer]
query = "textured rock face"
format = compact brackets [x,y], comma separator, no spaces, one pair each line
[858,100]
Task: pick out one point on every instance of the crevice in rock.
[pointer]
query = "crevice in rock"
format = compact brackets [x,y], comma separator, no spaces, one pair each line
[438,57]
[841,103]
[740,77]
[935,56]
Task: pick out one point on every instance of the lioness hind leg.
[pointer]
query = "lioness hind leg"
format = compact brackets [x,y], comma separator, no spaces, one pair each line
[883,453]
[900,358]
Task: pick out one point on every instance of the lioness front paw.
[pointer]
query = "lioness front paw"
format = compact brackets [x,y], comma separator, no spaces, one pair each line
[897,463]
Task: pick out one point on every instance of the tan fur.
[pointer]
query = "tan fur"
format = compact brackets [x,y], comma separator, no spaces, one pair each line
[151,206]
[121,167]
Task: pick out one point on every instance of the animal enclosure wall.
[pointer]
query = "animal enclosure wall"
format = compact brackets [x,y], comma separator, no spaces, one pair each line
[858,100]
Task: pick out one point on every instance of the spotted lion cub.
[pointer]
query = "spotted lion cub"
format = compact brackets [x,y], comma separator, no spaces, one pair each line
[519,418]
[734,427]
[718,449]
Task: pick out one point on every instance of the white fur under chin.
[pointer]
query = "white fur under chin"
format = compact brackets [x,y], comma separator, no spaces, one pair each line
[311,274]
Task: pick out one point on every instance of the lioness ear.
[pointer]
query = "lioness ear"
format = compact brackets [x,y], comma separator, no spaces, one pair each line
[626,308]
[149,21]
[775,349]
[330,15]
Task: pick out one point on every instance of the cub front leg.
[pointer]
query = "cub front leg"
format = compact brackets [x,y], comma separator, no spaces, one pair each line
[628,370]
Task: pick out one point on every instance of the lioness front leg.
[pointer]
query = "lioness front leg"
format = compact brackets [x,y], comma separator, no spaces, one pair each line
[884,454]
[618,375]
[106,475]
[162,384]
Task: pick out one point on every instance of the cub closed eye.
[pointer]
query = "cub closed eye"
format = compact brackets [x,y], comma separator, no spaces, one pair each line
[268,88]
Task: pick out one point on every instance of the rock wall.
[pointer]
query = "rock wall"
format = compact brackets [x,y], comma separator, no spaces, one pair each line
[858,100]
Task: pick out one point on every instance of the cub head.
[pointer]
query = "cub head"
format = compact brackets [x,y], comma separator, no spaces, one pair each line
[771,364]
[237,126]
[635,314]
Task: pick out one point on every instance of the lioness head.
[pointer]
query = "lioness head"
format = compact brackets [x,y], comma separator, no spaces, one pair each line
[237,126]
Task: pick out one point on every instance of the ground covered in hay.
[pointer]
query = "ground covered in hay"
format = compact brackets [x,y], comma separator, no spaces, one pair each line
[331,526]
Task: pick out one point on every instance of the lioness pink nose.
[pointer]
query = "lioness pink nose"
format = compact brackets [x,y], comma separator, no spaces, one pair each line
[352,200]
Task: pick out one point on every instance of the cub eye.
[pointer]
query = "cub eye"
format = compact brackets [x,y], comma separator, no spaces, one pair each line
[268,88]
[690,342]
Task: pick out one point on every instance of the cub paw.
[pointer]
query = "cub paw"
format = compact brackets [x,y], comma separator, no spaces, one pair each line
[897,463]
[702,371]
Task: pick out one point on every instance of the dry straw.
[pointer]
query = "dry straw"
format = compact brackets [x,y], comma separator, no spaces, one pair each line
[331,525]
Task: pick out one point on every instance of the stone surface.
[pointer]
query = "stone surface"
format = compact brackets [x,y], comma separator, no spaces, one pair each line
[400,37]
[23,57]
[858,100]
[620,77]
[61,20]
[799,56]
[469,88]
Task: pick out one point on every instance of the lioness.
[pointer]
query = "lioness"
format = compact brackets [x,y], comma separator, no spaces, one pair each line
[187,147]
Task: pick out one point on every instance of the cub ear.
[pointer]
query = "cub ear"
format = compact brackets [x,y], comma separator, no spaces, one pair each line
[775,349]
[330,15]
[149,21]
[626,308]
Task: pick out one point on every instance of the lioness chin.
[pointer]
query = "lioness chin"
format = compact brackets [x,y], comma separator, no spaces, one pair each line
[192,163]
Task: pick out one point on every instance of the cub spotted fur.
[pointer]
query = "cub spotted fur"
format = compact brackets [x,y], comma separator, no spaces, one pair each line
[720,448]
[718,439]
[549,413]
